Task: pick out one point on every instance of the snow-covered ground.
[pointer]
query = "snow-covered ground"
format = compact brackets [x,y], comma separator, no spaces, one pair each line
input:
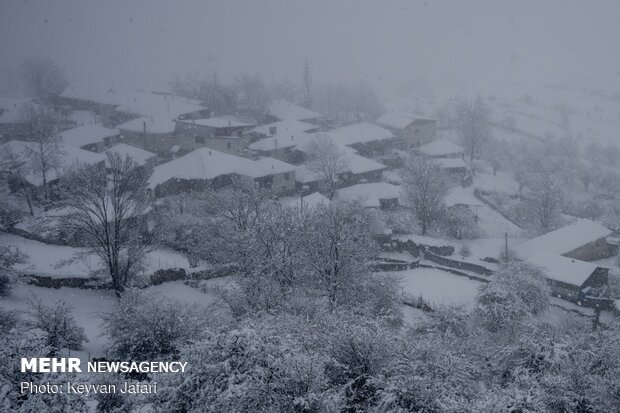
[439,287]
[89,304]
[45,258]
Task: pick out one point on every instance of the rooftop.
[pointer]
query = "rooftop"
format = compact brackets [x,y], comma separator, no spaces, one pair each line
[87,134]
[9,108]
[289,111]
[369,194]
[151,125]
[360,133]
[219,122]
[285,127]
[441,147]
[140,156]
[398,120]
[568,238]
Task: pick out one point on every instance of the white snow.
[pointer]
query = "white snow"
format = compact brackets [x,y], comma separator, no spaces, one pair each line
[369,194]
[359,164]
[140,156]
[281,140]
[558,267]
[397,120]
[441,147]
[360,133]
[450,163]
[220,122]
[157,105]
[147,124]
[10,107]
[568,238]
[308,201]
[289,111]
[439,287]
[284,127]
[68,156]
[87,134]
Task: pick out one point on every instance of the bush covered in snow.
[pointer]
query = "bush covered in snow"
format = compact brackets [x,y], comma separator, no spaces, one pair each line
[57,324]
[9,257]
[145,326]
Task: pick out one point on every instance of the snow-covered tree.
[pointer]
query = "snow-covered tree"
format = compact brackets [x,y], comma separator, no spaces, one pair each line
[425,186]
[339,247]
[327,161]
[473,125]
[44,157]
[9,257]
[42,78]
[57,324]
[110,211]
[145,326]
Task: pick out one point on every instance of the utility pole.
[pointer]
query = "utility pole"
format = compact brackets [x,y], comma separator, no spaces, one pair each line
[506,244]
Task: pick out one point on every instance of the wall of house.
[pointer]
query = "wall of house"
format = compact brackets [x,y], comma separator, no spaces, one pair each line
[283,183]
[374,148]
[192,136]
[592,251]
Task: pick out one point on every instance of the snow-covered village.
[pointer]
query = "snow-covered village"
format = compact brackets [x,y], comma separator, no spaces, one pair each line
[280,206]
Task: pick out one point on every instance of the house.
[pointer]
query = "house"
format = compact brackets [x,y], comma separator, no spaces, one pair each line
[412,130]
[279,138]
[372,195]
[142,158]
[224,133]
[283,110]
[583,240]
[441,148]
[366,138]
[456,167]
[67,157]
[358,170]
[206,168]
[91,137]
[119,105]
[11,126]
[563,253]
[151,134]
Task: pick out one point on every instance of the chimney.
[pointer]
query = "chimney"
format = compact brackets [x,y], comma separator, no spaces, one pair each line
[273,130]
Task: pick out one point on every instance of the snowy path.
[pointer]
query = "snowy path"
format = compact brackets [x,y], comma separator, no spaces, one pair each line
[439,287]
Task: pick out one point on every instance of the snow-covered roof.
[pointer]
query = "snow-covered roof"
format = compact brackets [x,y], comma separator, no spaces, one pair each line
[398,120]
[308,201]
[265,167]
[281,140]
[360,133]
[441,147]
[220,122]
[304,143]
[284,127]
[9,108]
[205,163]
[369,194]
[450,163]
[568,238]
[152,125]
[131,101]
[558,267]
[140,156]
[68,156]
[87,134]
[289,111]
[359,164]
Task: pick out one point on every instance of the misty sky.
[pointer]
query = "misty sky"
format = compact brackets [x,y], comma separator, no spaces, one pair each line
[144,44]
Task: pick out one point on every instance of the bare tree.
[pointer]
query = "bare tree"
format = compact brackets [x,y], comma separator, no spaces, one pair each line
[110,210]
[425,185]
[17,183]
[545,201]
[473,125]
[252,95]
[328,161]
[307,77]
[42,78]
[44,157]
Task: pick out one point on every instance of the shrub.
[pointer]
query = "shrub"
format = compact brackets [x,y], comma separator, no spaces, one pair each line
[464,251]
[58,325]
[145,326]
[5,285]
[8,320]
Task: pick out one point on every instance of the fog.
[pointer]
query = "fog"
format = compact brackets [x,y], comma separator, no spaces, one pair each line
[391,44]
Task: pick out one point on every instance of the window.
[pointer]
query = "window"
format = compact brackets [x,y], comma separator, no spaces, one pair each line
[200,139]
[287,176]
[228,145]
